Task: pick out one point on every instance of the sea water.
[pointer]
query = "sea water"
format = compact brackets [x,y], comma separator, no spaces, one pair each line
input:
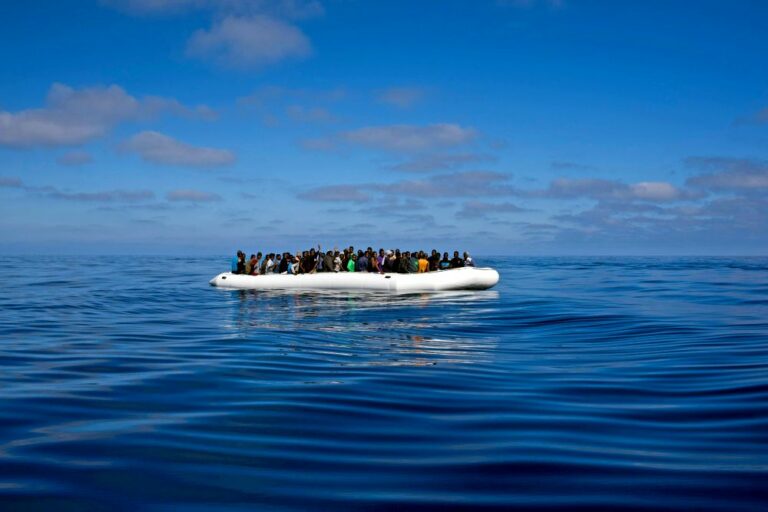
[596,383]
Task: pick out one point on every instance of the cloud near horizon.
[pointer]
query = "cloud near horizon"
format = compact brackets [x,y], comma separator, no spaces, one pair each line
[722,174]
[192,196]
[410,138]
[428,162]
[158,148]
[460,184]
[75,116]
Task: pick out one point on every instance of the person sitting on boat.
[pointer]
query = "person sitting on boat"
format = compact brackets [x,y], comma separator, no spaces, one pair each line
[282,267]
[380,261]
[445,263]
[249,264]
[269,264]
[336,261]
[468,261]
[413,263]
[434,260]
[235,259]
[351,263]
[423,263]
[456,261]
[328,261]
[373,264]
[405,261]
[255,264]
[362,261]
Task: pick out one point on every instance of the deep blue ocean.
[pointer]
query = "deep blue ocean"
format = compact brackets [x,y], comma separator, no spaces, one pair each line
[577,383]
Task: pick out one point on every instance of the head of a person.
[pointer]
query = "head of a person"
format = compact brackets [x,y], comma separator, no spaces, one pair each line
[466,255]
[445,255]
[455,254]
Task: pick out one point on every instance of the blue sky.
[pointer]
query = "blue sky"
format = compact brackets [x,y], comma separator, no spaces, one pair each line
[499,127]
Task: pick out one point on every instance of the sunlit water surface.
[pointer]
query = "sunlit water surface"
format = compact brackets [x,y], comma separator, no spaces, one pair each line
[634,383]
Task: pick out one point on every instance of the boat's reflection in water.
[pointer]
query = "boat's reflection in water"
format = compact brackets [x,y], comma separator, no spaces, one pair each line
[370,328]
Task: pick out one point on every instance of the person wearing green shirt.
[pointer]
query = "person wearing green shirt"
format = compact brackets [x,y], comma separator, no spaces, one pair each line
[351,262]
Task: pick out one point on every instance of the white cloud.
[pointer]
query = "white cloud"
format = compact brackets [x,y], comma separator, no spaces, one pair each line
[655,191]
[459,184]
[192,196]
[480,209]
[107,196]
[161,149]
[729,174]
[75,158]
[401,97]
[600,189]
[403,137]
[433,162]
[337,193]
[76,116]
[10,182]
[303,114]
[249,42]
[286,8]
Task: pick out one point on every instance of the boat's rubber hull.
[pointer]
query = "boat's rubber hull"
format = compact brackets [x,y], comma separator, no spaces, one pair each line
[467,278]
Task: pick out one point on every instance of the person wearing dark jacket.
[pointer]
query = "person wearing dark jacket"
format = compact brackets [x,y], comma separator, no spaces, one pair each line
[404,263]
[328,261]
[283,266]
[456,262]
[362,261]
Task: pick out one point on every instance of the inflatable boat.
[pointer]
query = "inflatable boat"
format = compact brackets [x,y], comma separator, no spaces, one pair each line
[466,278]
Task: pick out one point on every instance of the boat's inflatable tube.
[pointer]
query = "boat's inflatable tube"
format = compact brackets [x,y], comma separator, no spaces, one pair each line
[466,278]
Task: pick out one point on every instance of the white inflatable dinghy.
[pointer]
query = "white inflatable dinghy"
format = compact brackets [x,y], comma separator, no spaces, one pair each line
[466,278]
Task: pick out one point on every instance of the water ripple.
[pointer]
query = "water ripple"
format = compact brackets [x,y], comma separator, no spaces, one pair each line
[580,383]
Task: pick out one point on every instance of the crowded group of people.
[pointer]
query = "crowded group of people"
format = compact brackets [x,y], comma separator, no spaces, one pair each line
[348,260]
